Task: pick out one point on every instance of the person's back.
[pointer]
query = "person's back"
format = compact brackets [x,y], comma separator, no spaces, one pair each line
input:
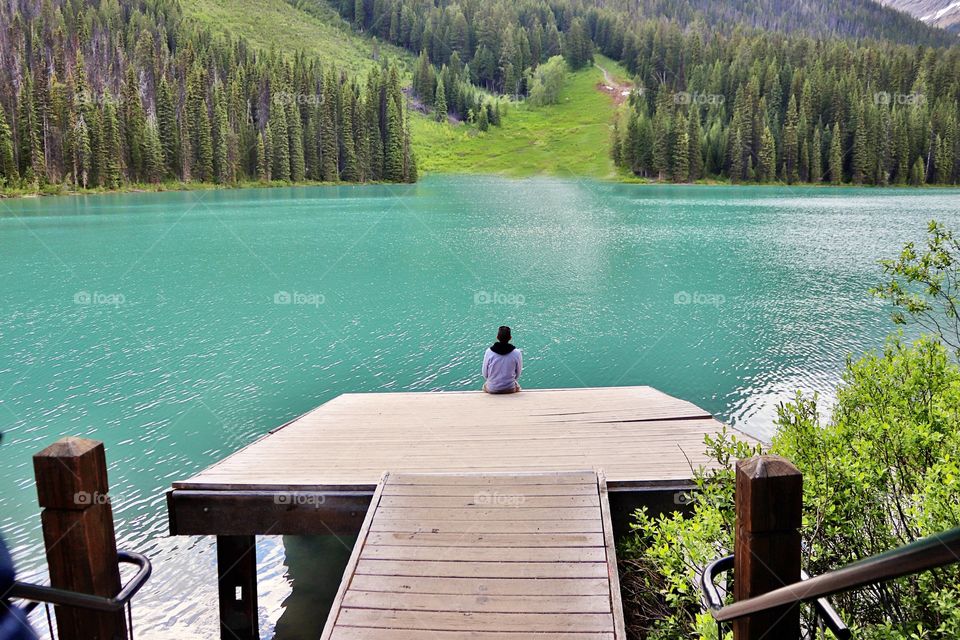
[502,365]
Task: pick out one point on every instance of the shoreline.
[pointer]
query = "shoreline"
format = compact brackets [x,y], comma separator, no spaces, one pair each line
[55,191]
[164,187]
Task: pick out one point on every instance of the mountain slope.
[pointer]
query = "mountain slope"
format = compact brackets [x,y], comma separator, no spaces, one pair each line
[282,27]
[938,13]
[823,18]
[570,138]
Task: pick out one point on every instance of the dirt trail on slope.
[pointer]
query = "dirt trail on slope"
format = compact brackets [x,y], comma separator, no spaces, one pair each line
[617,90]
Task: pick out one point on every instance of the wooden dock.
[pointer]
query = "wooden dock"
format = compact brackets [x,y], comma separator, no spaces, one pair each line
[318,473]
[636,435]
[451,556]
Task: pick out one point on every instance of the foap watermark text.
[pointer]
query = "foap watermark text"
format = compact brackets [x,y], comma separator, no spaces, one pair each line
[88,298]
[499,297]
[699,298]
[299,298]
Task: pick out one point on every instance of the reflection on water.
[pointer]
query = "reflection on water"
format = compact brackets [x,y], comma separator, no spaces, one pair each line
[158,324]
[314,567]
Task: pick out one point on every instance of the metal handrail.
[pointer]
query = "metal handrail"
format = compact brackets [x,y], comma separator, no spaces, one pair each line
[53,595]
[824,610]
[928,553]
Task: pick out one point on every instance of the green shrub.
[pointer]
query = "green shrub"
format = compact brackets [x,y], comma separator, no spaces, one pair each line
[880,473]
[547,82]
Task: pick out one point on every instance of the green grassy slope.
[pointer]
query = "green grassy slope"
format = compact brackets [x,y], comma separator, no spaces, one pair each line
[277,25]
[569,138]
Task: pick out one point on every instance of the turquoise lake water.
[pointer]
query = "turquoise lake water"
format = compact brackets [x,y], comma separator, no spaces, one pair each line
[178,327]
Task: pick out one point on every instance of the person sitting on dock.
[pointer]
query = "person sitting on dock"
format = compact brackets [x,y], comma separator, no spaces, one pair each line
[502,364]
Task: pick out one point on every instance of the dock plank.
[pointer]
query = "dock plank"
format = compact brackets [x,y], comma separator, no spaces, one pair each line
[478,603]
[637,435]
[450,575]
[366,633]
[431,539]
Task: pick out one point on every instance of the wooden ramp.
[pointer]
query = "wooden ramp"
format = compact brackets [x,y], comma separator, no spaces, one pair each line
[487,556]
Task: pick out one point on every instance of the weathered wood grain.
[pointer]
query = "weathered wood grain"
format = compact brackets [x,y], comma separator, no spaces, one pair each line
[449,576]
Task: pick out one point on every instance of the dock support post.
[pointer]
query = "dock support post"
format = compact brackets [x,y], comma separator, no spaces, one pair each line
[769,504]
[237,586]
[78,534]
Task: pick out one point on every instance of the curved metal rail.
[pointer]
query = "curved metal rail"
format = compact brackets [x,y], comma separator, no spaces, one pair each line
[42,594]
[824,610]
[932,552]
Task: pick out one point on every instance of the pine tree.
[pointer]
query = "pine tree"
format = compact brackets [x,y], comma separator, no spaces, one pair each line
[361,135]
[737,165]
[804,159]
[152,153]
[767,156]
[328,131]
[199,165]
[661,138]
[393,148]
[494,114]
[359,15]
[80,150]
[204,151]
[8,166]
[280,153]
[167,126]
[349,171]
[424,79]
[884,147]
[133,122]
[628,144]
[943,160]
[680,170]
[644,146]
[836,156]
[509,73]
[185,152]
[742,124]
[859,161]
[28,142]
[39,118]
[111,151]
[440,102]
[577,46]
[221,163]
[791,142]
[372,122]
[268,152]
[85,110]
[410,171]
[901,150]
[262,160]
[918,173]
[311,139]
[483,121]
[816,157]
[616,148]
[696,146]
[295,138]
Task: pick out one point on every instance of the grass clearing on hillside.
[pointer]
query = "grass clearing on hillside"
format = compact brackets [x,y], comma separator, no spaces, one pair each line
[569,138]
[278,25]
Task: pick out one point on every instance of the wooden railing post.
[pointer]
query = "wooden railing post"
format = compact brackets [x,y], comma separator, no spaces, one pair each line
[78,534]
[767,547]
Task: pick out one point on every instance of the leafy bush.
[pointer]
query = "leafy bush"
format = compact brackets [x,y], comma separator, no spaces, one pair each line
[547,82]
[880,473]
[923,286]
[660,562]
